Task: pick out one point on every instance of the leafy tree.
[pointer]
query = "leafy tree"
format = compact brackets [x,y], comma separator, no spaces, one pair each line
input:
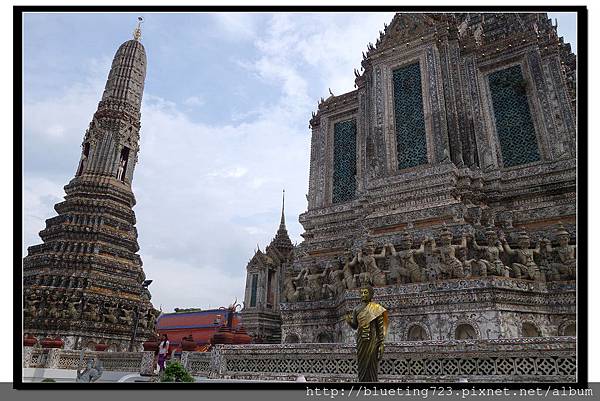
[175,372]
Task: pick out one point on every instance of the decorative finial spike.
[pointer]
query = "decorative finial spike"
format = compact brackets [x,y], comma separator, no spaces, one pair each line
[282,223]
[137,33]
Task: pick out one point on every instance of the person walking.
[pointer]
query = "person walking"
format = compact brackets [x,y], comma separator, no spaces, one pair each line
[163,351]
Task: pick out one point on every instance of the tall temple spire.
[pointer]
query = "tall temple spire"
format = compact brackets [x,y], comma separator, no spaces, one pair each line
[85,282]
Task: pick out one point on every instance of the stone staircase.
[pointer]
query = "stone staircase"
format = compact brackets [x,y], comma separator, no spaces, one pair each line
[275,337]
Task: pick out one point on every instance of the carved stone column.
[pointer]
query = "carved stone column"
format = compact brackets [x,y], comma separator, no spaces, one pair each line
[147,365]
[27,354]
[53,358]
[185,357]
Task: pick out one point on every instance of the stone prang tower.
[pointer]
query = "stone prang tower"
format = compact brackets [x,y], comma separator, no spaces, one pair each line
[85,282]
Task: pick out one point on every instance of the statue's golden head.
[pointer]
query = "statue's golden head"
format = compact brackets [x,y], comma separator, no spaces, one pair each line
[366,293]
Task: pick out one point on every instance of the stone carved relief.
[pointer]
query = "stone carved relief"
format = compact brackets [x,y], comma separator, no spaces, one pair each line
[126,317]
[563,264]
[90,311]
[450,265]
[524,265]
[71,309]
[110,313]
[488,259]
[52,310]
[350,272]
[33,298]
[313,282]
[435,260]
[292,292]
[403,267]
[370,273]
[335,285]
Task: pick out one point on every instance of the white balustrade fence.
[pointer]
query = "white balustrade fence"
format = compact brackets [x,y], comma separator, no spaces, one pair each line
[528,359]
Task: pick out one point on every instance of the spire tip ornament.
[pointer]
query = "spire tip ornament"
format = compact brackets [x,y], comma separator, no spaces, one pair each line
[137,33]
[282,222]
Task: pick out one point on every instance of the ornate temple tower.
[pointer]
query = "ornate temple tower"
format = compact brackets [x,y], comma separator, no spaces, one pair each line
[264,280]
[461,131]
[85,282]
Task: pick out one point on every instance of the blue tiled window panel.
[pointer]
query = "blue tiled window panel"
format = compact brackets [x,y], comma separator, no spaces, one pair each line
[411,143]
[513,119]
[344,161]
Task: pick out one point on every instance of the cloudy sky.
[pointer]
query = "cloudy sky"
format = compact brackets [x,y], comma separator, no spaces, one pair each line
[224,129]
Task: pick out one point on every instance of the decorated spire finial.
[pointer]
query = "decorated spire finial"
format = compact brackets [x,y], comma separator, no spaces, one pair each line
[282,223]
[137,33]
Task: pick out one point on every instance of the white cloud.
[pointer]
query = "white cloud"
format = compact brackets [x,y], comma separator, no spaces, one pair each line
[56,131]
[62,118]
[194,101]
[234,172]
[177,284]
[255,230]
[331,43]
[236,26]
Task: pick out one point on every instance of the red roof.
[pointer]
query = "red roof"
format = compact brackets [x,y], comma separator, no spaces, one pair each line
[201,325]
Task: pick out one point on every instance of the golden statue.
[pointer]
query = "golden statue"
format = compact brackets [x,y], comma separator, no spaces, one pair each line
[371,320]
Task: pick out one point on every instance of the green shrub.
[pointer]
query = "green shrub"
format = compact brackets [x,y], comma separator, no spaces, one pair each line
[48,380]
[175,372]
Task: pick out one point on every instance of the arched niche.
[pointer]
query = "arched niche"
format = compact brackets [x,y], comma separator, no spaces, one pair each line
[325,337]
[571,330]
[529,329]
[292,338]
[465,331]
[417,332]
[568,329]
